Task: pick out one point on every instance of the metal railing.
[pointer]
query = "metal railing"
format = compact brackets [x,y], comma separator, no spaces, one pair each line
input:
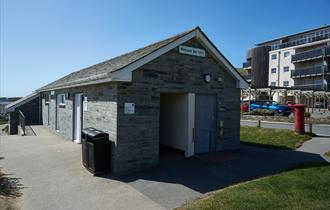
[247,76]
[313,87]
[311,54]
[309,71]
[21,118]
[247,64]
[305,40]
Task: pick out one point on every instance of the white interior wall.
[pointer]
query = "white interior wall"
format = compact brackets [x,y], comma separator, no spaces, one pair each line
[174,120]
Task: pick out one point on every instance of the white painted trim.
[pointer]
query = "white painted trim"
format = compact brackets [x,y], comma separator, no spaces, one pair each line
[241,82]
[135,65]
[191,125]
[11,107]
[125,74]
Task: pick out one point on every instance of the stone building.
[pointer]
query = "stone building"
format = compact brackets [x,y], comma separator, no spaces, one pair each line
[180,92]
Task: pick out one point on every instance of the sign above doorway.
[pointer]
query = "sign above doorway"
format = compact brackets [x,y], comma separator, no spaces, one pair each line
[192,51]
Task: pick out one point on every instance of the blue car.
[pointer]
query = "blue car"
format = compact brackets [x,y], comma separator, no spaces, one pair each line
[271,105]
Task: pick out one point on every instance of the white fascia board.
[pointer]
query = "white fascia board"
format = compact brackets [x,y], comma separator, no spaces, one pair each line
[241,82]
[11,107]
[125,74]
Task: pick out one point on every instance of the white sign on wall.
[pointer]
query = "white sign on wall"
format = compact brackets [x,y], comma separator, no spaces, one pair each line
[129,108]
[191,51]
[85,108]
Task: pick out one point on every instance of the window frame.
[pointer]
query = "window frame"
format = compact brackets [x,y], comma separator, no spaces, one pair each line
[286,54]
[274,56]
[271,70]
[286,67]
[61,100]
[284,82]
[273,84]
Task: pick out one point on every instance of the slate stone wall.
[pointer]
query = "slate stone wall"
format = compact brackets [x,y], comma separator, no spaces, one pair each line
[135,137]
[138,134]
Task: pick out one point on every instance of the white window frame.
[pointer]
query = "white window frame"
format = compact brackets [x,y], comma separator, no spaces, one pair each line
[61,99]
[275,56]
[286,82]
[286,54]
[272,84]
[285,67]
[271,70]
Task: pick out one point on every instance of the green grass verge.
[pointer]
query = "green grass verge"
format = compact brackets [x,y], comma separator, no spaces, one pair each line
[301,188]
[272,138]
[327,153]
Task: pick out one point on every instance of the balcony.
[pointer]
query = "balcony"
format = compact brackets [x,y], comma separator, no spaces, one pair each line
[301,41]
[313,87]
[248,77]
[247,65]
[308,72]
[311,54]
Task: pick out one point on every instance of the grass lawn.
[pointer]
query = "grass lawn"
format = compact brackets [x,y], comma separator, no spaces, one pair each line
[327,153]
[272,138]
[301,188]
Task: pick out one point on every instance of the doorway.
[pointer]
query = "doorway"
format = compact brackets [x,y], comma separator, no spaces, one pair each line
[77,121]
[205,124]
[176,125]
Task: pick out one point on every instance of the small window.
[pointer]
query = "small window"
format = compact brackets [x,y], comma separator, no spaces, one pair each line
[273,84]
[274,56]
[61,100]
[273,70]
[286,69]
[285,83]
[47,97]
[286,54]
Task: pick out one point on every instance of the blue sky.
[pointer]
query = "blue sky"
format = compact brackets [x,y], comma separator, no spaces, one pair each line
[43,40]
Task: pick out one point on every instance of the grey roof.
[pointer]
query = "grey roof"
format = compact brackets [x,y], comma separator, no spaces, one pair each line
[104,69]
[11,107]
[291,35]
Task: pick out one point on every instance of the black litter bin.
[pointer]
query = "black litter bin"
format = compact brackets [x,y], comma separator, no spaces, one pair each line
[95,151]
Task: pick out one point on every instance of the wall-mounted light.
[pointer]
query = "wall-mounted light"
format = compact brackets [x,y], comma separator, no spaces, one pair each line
[207,78]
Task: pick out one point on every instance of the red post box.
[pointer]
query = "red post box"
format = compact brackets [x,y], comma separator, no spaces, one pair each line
[299,118]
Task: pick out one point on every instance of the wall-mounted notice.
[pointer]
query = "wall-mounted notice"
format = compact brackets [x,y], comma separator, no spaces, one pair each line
[129,108]
[191,51]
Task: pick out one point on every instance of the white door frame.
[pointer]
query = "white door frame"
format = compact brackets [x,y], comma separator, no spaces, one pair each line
[77,120]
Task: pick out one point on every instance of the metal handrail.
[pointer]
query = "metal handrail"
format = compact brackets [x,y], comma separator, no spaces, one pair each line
[21,118]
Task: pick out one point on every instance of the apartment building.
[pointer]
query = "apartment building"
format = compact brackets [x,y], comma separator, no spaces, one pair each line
[295,62]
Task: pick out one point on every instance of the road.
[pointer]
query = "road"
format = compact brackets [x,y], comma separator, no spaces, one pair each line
[319,129]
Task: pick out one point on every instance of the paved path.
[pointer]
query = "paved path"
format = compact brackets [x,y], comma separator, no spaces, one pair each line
[318,145]
[51,172]
[53,177]
[319,129]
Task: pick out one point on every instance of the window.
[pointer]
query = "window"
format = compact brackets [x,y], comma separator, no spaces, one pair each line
[273,70]
[273,84]
[286,69]
[61,100]
[274,56]
[286,54]
[47,97]
[285,83]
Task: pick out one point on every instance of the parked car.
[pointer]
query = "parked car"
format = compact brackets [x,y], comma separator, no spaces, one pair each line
[271,105]
[290,104]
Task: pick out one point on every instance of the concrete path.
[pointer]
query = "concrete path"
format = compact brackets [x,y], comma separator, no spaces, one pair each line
[53,177]
[318,145]
[319,129]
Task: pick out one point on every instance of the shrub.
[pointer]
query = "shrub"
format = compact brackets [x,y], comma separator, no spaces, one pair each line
[307,114]
[263,112]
